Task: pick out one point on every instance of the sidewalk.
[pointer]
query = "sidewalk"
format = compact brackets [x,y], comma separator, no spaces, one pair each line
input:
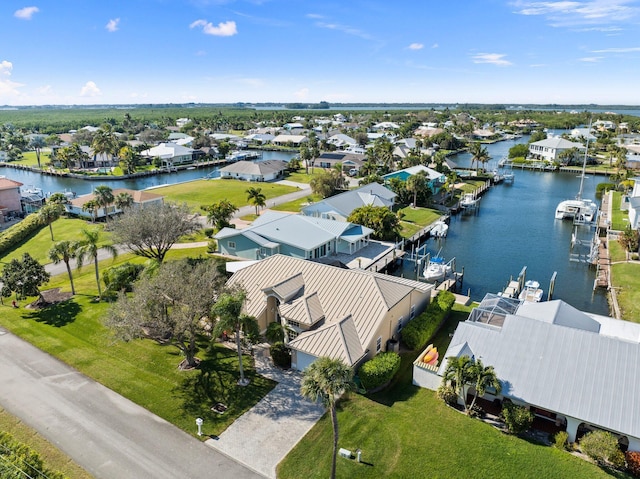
[265,434]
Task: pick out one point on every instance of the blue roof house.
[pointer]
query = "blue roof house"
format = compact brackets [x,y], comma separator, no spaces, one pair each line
[435,179]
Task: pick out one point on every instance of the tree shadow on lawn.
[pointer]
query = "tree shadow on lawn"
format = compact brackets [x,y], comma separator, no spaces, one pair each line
[58,315]
[216,381]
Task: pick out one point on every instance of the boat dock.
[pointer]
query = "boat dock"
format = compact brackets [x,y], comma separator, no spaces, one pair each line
[521,287]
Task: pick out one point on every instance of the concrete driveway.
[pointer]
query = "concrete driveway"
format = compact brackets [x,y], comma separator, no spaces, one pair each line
[103,432]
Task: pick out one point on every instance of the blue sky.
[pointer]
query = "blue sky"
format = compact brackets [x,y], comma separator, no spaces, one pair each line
[175,51]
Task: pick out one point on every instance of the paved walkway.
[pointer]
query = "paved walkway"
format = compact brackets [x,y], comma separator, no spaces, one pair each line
[103,432]
[265,434]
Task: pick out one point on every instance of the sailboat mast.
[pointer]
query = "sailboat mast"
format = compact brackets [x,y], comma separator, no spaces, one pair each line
[584,163]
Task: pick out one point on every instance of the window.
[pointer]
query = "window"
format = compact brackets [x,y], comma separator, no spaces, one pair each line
[293,323]
[231,244]
[378,344]
[292,335]
[400,323]
[413,311]
[263,251]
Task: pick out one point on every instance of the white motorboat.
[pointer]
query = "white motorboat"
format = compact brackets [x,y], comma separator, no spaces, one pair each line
[580,210]
[469,201]
[437,269]
[531,292]
[439,229]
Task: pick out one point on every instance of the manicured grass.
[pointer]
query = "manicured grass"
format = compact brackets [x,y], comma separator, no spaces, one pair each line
[619,219]
[29,158]
[415,219]
[204,192]
[53,457]
[301,176]
[142,370]
[63,229]
[406,431]
[616,251]
[297,205]
[626,279]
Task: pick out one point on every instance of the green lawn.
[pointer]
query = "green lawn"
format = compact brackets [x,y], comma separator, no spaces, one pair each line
[406,431]
[63,229]
[29,158]
[626,279]
[143,370]
[205,192]
[301,176]
[415,219]
[616,251]
[619,219]
[52,456]
[296,205]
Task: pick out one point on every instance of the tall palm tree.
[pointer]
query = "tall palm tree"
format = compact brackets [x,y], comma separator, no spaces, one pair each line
[256,197]
[325,381]
[417,184]
[37,143]
[104,197]
[228,310]
[458,375]
[88,249]
[479,154]
[49,213]
[483,377]
[65,251]
[123,200]
[92,207]
[105,142]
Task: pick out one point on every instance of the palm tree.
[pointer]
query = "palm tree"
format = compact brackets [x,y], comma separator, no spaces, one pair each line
[128,159]
[325,381]
[88,249]
[37,143]
[458,375]
[123,200]
[479,154]
[49,213]
[92,207]
[105,142]
[256,197]
[483,377]
[104,197]
[228,310]
[417,184]
[64,251]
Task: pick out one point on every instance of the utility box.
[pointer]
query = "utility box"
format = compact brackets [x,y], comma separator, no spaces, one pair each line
[346,453]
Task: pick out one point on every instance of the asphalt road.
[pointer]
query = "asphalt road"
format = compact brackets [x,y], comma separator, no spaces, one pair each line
[103,432]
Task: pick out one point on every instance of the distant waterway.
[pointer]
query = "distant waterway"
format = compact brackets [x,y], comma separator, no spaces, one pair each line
[515,227]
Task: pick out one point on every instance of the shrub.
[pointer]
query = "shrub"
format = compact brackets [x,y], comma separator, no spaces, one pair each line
[517,418]
[121,277]
[379,370]
[208,232]
[281,355]
[447,394]
[18,457]
[274,333]
[560,440]
[212,247]
[17,233]
[421,329]
[602,447]
[633,462]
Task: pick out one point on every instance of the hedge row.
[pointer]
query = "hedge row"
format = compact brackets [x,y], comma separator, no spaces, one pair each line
[380,370]
[19,460]
[17,233]
[421,329]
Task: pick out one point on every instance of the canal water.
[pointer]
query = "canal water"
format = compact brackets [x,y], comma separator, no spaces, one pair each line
[514,227]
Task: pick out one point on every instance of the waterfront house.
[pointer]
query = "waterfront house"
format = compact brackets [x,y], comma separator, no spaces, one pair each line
[293,235]
[341,141]
[349,161]
[328,311]
[574,369]
[9,198]
[171,154]
[290,140]
[340,206]
[141,198]
[435,179]
[550,148]
[634,205]
[267,170]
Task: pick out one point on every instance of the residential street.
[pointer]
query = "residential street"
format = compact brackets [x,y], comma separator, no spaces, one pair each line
[108,435]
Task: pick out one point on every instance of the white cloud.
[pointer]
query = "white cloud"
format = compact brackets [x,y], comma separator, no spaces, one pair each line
[618,50]
[8,88]
[573,13]
[90,89]
[44,90]
[435,45]
[315,16]
[112,25]
[301,94]
[26,13]
[492,58]
[224,29]
[590,59]
[416,46]
[6,68]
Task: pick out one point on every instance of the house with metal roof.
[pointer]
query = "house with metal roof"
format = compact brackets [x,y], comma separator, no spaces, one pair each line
[435,179]
[141,198]
[634,205]
[347,160]
[299,236]
[339,207]
[267,170]
[289,140]
[328,311]
[170,154]
[576,369]
[550,148]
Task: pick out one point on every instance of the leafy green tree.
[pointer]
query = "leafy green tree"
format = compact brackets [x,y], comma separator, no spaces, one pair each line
[417,184]
[92,207]
[518,419]
[104,197]
[519,150]
[151,231]
[324,381]
[105,142]
[327,183]
[256,197]
[537,135]
[384,223]
[23,277]
[171,307]
[49,213]
[65,251]
[72,155]
[228,310]
[89,247]
[219,213]
[37,143]
[629,239]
